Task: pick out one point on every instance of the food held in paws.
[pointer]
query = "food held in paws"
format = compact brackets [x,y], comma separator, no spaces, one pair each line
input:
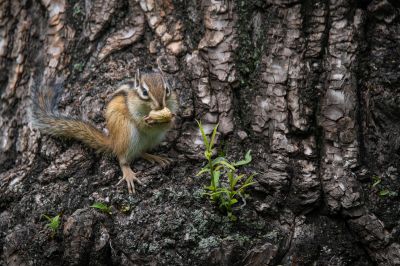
[159,116]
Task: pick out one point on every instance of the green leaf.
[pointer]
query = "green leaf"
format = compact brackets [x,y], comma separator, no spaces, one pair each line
[235,180]
[79,67]
[218,167]
[225,163]
[218,159]
[223,189]
[216,176]
[47,217]
[217,193]
[240,177]
[384,192]
[205,139]
[249,179]
[246,185]
[376,180]
[232,217]
[231,180]
[233,201]
[203,170]
[387,192]
[54,223]
[247,159]
[213,136]
[243,188]
[102,207]
[214,196]
[211,188]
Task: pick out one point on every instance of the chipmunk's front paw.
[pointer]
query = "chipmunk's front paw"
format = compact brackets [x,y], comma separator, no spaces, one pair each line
[130,178]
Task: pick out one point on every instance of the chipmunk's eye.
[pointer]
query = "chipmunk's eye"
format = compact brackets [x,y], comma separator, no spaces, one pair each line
[144,92]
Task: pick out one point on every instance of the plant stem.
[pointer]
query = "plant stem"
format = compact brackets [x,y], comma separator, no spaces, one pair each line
[212,174]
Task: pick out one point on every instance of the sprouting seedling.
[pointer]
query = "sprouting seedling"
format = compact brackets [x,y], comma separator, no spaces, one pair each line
[102,207]
[387,192]
[77,10]
[376,181]
[53,224]
[383,191]
[78,67]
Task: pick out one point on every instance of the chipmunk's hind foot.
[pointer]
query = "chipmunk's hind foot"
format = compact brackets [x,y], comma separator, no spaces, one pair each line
[130,177]
[161,160]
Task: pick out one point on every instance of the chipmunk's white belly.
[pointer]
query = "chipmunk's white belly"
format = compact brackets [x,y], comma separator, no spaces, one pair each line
[144,141]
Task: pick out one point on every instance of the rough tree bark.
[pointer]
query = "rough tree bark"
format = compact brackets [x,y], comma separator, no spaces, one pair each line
[312,87]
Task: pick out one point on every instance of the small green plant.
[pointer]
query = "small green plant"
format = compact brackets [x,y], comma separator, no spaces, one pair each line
[78,67]
[376,180]
[77,10]
[387,192]
[53,224]
[224,193]
[102,207]
[382,191]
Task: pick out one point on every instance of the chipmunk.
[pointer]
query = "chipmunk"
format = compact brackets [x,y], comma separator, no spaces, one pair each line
[137,118]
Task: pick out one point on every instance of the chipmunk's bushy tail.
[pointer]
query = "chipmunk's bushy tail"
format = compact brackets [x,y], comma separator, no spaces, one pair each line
[47,120]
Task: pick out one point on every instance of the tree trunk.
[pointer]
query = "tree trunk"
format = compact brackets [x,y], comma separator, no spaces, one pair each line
[311,87]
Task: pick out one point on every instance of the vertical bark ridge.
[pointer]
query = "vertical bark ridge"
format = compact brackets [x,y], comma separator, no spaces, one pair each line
[279,112]
[338,118]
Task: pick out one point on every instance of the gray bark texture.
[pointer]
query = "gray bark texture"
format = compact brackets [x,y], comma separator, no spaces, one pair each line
[312,87]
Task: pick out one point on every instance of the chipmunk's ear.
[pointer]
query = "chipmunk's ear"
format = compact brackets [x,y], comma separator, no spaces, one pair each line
[127,85]
[137,80]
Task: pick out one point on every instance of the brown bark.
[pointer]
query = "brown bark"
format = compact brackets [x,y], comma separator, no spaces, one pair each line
[310,86]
